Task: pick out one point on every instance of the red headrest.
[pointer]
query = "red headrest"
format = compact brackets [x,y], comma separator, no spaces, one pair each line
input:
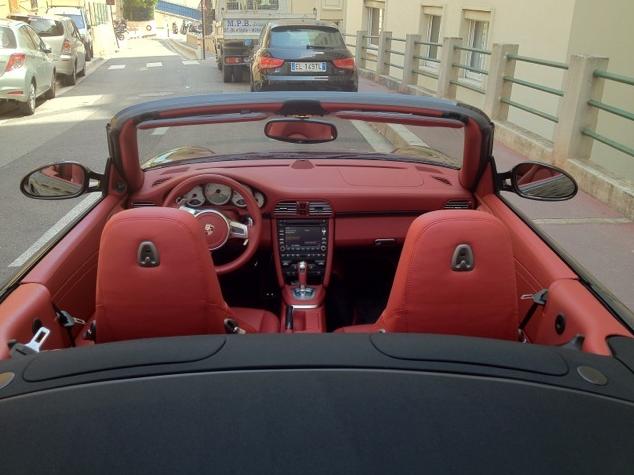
[156,277]
[432,293]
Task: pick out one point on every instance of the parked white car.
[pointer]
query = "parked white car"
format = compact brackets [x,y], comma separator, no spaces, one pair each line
[80,18]
[27,70]
[62,36]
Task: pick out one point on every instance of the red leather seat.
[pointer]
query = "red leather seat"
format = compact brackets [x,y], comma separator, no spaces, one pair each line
[178,296]
[430,296]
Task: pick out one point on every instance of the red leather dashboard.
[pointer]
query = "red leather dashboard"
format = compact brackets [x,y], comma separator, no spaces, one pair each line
[370,199]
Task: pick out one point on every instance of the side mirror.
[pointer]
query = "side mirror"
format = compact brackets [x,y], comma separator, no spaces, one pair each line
[539,181]
[300,131]
[60,181]
[46,48]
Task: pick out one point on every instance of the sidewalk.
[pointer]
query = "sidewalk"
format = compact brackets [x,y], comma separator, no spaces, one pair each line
[597,237]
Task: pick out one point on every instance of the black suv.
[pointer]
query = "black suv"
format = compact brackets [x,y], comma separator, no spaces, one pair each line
[303,54]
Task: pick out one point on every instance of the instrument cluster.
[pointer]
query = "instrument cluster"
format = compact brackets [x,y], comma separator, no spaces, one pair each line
[217,194]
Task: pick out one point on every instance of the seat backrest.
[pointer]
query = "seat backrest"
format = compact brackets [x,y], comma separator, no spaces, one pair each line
[456,275]
[155,278]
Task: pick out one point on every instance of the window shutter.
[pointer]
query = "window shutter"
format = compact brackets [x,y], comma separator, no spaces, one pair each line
[477,15]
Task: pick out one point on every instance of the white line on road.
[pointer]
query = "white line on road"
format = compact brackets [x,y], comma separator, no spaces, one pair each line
[116,66]
[160,131]
[190,61]
[154,65]
[57,228]
[376,141]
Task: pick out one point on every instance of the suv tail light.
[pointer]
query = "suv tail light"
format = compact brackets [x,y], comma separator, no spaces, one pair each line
[66,49]
[344,63]
[269,63]
[16,61]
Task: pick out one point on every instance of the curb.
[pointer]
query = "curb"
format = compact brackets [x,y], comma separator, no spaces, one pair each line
[187,50]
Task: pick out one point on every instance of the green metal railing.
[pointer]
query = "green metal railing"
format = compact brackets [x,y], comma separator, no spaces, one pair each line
[422,72]
[617,111]
[473,69]
[466,85]
[533,85]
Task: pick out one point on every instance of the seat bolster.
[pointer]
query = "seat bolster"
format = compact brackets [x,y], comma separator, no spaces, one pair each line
[254,320]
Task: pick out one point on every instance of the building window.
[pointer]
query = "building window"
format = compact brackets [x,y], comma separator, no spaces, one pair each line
[375,24]
[431,33]
[475,29]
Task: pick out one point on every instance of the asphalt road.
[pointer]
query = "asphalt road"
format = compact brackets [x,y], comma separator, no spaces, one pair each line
[72,127]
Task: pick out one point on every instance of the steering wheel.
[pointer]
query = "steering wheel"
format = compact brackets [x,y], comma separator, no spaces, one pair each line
[217,227]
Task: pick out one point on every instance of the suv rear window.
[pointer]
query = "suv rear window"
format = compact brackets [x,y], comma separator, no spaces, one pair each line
[46,27]
[7,38]
[302,36]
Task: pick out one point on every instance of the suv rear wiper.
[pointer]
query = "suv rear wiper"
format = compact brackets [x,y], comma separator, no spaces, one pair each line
[319,47]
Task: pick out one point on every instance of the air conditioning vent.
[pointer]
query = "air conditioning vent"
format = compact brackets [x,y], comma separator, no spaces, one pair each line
[143,204]
[286,208]
[458,204]
[319,208]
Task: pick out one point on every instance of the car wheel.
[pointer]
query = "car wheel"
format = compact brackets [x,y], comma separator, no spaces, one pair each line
[28,107]
[89,53]
[71,79]
[50,94]
[227,74]
[82,73]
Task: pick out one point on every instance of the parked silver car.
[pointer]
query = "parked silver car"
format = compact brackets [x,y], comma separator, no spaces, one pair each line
[27,70]
[79,17]
[64,39]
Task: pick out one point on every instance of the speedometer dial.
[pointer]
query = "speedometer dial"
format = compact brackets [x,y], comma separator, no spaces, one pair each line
[238,200]
[217,194]
[194,198]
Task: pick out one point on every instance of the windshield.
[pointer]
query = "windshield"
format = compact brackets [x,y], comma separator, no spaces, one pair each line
[46,27]
[292,37]
[355,139]
[77,19]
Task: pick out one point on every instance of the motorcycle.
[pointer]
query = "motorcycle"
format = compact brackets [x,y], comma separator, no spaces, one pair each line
[120,29]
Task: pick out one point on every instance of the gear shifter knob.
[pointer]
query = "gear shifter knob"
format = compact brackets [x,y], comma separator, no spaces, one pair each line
[302,274]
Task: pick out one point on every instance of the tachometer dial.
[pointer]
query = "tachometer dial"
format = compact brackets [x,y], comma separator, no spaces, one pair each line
[218,194]
[238,200]
[195,198]
[259,198]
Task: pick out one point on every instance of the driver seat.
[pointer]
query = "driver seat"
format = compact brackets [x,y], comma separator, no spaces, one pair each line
[156,278]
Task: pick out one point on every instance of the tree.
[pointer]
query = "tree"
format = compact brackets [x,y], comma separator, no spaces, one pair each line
[139,10]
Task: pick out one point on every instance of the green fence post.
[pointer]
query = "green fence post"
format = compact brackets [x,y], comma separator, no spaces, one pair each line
[447,72]
[496,86]
[574,112]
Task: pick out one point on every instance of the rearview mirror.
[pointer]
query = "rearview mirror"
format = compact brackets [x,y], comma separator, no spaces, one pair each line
[59,181]
[539,181]
[300,131]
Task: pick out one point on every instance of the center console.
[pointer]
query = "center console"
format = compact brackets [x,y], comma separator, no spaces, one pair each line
[303,253]
[303,240]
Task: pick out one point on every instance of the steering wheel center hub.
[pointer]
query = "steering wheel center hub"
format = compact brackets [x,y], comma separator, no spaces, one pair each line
[215,227]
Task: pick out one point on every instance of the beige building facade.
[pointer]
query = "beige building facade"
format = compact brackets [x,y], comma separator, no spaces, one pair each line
[544,29]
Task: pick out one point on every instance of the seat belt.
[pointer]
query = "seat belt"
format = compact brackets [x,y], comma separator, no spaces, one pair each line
[67,321]
[539,300]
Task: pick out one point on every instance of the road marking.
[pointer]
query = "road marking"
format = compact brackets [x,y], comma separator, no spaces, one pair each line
[190,61]
[376,141]
[582,221]
[56,229]
[160,131]
[154,65]
[116,66]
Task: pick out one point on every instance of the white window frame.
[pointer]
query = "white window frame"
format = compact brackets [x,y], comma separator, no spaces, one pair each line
[431,51]
[370,24]
[476,60]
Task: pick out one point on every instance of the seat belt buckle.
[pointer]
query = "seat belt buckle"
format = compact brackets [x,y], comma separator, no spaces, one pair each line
[232,327]
[66,320]
[32,347]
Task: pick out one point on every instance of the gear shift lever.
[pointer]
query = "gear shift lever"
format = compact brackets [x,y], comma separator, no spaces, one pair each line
[302,275]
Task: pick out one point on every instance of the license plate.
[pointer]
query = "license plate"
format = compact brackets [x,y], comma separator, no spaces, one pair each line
[308,67]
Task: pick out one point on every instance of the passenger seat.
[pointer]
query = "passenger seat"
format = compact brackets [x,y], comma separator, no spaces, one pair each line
[456,275]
